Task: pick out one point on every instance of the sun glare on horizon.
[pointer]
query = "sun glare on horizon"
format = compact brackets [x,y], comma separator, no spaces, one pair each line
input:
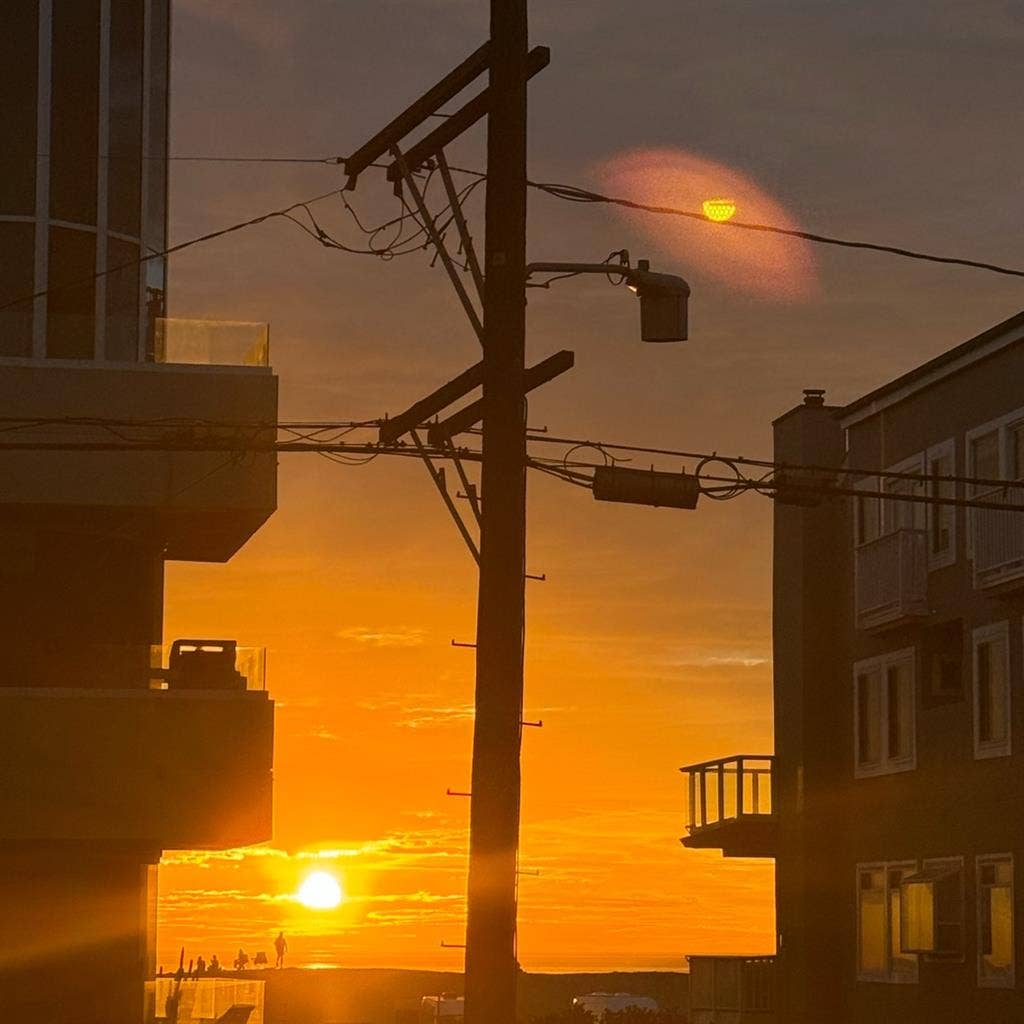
[320,891]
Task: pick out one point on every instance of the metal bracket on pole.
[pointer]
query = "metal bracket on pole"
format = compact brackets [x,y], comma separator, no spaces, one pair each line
[460,223]
[471,492]
[437,475]
[431,229]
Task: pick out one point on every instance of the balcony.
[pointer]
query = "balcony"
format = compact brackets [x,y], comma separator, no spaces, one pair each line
[732,806]
[183,341]
[997,540]
[732,990]
[891,579]
[204,504]
[173,754]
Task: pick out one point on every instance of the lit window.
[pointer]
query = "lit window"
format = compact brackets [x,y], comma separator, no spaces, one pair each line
[884,716]
[995,921]
[881,955]
[871,926]
[992,691]
[933,910]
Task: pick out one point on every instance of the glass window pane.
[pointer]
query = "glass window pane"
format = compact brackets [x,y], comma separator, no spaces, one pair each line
[125,139]
[918,924]
[122,339]
[871,958]
[899,695]
[1016,433]
[17,268]
[71,320]
[992,693]
[941,516]
[19,73]
[985,456]
[869,718]
[900,963]
[74,111]
[999,960]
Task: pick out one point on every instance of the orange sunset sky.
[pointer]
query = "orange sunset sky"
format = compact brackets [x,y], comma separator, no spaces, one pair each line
[649,644]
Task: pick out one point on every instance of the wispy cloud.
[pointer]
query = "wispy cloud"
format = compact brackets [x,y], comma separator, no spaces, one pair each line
[383,637]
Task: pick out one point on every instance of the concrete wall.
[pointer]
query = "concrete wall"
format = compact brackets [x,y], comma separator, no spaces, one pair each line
[203,505]
[164,769]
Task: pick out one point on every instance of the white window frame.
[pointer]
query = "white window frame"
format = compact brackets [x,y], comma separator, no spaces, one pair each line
[989,748]
[940,560]
[890,976]
[980,861]
[886,765]
[870,483]
[1002,425]
[912,464]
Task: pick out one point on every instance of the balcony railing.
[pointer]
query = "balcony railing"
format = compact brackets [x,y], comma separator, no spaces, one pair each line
[211,342]
[997,539]
[207,999]
[190,664]
[732,806]
[892,578]
[732,989]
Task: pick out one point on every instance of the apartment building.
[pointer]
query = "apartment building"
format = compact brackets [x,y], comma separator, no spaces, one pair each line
[893,803]
[116,744]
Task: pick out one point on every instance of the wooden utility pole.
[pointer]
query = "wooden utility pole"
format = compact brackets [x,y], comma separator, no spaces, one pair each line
[491,966]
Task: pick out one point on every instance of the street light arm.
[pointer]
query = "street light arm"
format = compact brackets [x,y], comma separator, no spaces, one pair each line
[664,298]
[577,268]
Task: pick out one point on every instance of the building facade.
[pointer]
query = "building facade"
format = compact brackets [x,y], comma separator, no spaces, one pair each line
[116,744]
[895,811]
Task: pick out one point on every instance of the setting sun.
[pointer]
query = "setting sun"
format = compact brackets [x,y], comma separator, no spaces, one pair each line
[320,891]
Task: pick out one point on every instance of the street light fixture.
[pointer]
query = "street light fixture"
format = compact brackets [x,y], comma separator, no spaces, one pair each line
[664,298]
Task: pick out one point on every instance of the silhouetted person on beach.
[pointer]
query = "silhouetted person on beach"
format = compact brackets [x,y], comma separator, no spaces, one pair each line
[281,945]
[200,967]
[242,960]
[214,964]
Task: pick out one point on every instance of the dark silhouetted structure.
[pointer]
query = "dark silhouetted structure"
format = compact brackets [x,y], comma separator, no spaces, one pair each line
[107,750]
[893,804]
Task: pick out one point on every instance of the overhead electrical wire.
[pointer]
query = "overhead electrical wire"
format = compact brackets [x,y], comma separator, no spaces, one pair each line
[327,439]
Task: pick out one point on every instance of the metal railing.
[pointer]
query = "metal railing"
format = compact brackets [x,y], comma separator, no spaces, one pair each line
[211,342]
[181,665]
[997,539]
[730,789]
[891,578]
[738,988]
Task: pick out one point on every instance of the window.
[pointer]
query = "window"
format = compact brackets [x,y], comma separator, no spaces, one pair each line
[881,955]
[932,902]
[995,921]
[992,691]
[904,515]
[984,451]
[867,513]
[943,666]
[941,461]
[884,720]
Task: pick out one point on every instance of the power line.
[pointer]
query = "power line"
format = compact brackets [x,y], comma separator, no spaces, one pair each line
[208,237]
[572,193]
[782,478]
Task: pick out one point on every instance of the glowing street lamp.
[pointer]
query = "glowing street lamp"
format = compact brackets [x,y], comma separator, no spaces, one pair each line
[719,209]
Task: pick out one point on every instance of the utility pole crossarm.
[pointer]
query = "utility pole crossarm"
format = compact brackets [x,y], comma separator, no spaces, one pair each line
[416,113]
[463,119]
[419,412]
[534,377]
